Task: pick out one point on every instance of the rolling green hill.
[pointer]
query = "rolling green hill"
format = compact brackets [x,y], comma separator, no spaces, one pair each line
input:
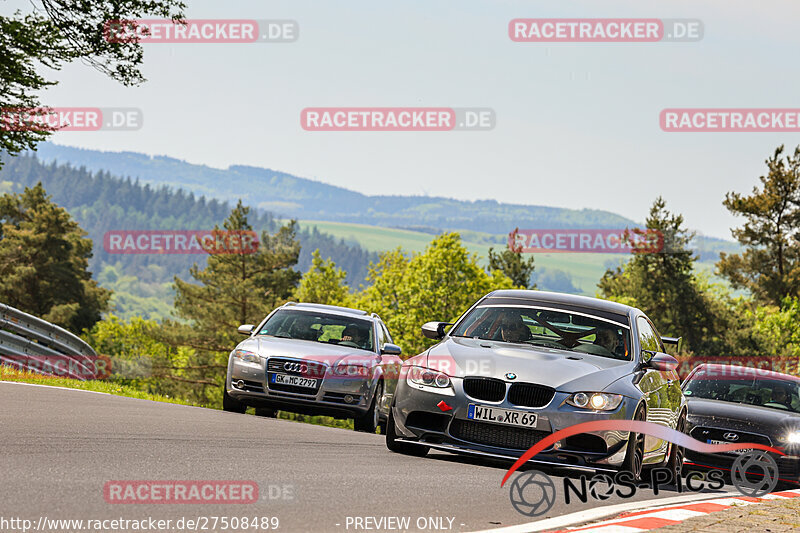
[563,272]
[378,223]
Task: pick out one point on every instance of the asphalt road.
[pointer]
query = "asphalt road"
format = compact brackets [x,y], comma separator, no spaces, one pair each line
[58,448]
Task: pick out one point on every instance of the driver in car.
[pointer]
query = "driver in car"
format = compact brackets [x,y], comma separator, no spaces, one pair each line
[513,329]
[781,396]
[353,333]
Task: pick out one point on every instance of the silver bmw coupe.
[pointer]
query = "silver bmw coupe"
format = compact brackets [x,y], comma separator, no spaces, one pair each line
[520,365]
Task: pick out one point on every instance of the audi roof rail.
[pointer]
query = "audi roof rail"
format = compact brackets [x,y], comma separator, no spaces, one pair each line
[337,308]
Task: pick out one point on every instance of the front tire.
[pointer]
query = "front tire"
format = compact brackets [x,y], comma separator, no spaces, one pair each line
[401,447]
[634,455]
[230,404]
[369,421]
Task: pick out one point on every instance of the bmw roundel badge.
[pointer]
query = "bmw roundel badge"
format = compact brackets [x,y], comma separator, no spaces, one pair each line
[511,375]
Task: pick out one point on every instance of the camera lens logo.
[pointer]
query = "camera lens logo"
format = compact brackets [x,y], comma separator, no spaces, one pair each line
[754,473]
[532,493]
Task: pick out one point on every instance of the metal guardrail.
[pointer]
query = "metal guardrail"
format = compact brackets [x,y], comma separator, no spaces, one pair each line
[27,342]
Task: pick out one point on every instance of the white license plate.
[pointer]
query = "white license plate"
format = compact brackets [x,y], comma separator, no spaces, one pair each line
[501,416]
[737,452]
[297,381]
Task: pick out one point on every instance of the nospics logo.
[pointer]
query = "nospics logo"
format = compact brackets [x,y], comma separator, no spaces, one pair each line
[754,472]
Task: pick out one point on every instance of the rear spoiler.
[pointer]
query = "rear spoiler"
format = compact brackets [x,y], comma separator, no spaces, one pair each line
[674,341]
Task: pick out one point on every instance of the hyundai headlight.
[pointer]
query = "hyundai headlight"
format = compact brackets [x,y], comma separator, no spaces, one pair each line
[247,357]
[793,437]
[595,401]
[428,378]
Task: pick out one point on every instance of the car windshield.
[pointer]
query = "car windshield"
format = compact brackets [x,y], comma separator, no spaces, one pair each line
[564,330]
[320,327]
[765,392]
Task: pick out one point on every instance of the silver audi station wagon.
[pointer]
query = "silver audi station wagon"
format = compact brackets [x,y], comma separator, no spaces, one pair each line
[315,359]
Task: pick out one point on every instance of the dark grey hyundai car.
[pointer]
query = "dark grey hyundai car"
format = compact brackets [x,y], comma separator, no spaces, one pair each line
[737,404]
[520,365]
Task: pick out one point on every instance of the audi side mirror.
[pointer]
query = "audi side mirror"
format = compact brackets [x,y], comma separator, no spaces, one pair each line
[434,330]
[245,329]
[391,349]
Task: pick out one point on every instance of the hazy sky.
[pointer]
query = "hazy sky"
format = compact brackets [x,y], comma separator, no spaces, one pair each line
[577,123]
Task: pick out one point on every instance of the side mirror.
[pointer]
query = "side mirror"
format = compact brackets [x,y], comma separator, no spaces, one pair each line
[245,329]
[391,349]
[434,330]
[661,361]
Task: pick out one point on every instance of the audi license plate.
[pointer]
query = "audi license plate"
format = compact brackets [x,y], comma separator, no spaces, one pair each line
[501,416]
[296,381]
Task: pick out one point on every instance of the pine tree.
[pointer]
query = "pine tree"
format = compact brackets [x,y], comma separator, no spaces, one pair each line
[770,265]
[44,260]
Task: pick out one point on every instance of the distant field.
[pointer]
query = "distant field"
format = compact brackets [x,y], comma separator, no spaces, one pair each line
[584,269]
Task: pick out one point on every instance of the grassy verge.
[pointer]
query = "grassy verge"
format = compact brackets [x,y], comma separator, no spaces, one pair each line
[117,389]
[110,387]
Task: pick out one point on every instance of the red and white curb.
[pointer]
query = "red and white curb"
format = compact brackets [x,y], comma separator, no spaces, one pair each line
[647,519]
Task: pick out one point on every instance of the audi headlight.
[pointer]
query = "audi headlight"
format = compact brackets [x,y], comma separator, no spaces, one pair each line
[793,437]
[247,357]
[428,378]
[351,371]
[595,401]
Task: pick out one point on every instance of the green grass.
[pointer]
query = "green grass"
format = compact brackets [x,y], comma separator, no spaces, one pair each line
[585,269]
[109,387]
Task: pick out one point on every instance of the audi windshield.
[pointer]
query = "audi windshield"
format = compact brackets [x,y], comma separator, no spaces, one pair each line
[320,327]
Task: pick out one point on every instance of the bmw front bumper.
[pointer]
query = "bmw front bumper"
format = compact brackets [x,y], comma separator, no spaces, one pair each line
[421,418]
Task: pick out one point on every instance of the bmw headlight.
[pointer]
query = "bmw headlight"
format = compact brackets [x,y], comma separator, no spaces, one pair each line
[247,357]
[428,378]
[595,401]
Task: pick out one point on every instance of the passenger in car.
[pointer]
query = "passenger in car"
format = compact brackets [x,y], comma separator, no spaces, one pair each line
[608,339]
